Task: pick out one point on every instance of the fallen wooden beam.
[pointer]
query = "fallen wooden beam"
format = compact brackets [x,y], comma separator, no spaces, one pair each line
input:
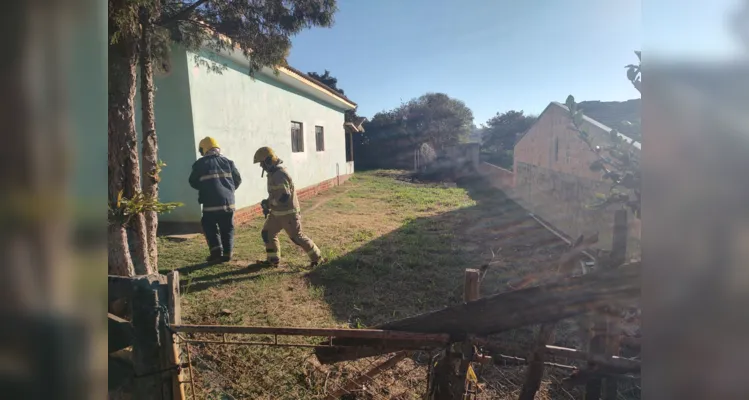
[511,310]
[121,333]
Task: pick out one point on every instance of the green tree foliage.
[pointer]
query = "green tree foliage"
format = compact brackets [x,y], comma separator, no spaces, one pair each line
[503,130]
[332,82]
[143,31]
[499,135]
[434,118]
[619,161]
[327,80]
[262,28]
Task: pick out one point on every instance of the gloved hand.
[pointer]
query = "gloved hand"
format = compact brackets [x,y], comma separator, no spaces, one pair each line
[266,208]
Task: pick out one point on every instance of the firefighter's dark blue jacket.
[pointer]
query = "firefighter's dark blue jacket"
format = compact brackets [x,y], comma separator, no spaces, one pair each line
[216,178]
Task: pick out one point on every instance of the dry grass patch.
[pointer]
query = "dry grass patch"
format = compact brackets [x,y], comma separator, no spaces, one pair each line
[395,249]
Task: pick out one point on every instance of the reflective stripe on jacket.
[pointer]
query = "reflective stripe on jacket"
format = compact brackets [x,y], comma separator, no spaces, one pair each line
[216,178]
[281,194]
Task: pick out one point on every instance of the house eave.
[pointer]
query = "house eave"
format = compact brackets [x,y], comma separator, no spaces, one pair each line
[294,80]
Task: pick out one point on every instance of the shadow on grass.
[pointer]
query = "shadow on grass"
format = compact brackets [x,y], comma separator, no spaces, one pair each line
[420,266]
[196,284]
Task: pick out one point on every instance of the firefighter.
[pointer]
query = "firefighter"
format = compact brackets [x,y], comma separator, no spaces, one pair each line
[284,210]
[216,178]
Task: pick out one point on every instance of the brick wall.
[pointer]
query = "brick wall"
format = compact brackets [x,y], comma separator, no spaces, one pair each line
[551,143]
[248,213]
[564,201]
[498,177]
[552,179]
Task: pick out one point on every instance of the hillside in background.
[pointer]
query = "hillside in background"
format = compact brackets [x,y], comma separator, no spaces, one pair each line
[614,113]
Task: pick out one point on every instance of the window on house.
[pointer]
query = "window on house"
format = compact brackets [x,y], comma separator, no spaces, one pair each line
[297,137]
[320,138]
[556,149]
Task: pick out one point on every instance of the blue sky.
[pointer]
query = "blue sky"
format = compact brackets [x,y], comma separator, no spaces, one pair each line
[498,55]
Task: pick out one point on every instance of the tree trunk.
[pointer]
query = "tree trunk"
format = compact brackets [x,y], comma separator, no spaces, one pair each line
[120,262]
[148,125]
[124,170]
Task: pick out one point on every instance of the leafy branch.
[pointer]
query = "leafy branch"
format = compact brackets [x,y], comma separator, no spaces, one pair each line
[124,209]
[619,161]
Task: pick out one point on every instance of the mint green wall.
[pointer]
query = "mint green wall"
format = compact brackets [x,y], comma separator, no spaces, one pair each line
[244,114]
[87,91]
[177,146]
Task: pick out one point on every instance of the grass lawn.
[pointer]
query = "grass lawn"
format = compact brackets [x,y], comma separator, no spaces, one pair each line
[395,249]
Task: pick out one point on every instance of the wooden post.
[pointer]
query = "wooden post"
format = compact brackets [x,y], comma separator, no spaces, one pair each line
[175,317]
[606,332]
[613,328]
[472,285]
[535,372]
[449,376]
[175,311]
[147,346]
[471,292]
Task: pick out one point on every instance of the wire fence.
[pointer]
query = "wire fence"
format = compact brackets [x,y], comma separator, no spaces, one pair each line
[290,370]
[263,367]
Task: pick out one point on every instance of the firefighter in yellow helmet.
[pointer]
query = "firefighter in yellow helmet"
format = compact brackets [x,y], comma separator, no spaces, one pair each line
[215,177]
[284,211]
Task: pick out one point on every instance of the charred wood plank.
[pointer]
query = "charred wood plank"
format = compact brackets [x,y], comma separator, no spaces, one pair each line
[511,310]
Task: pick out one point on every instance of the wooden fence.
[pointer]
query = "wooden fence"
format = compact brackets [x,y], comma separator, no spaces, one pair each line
[144,318]
[142,347]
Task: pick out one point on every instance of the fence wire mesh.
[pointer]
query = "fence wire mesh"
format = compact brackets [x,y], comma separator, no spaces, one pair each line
[289,370]
[286,368]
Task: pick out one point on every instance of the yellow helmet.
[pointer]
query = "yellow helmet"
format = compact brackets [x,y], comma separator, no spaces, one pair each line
[206,144]
[263,153]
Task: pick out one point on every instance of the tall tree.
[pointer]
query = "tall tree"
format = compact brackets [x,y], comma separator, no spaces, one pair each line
[437,119]
[148,14]
[261,28]
[327,79]
[123,168]
[503,130]
[434,118]
[332,82]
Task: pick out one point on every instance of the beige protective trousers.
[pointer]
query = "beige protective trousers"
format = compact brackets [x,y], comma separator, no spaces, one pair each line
[292,224]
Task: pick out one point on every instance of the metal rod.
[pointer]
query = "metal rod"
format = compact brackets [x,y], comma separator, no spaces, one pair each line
[558,234]
[614,362]
[314,346]
[192,373]
[325,332]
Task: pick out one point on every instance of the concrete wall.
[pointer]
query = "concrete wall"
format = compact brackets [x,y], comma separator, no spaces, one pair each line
[243,114]
[498,177]
[564,201]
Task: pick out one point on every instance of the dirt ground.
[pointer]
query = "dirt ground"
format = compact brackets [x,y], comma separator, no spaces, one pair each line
[395,248]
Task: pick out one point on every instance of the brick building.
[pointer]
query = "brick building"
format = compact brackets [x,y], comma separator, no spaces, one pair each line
[552,178]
